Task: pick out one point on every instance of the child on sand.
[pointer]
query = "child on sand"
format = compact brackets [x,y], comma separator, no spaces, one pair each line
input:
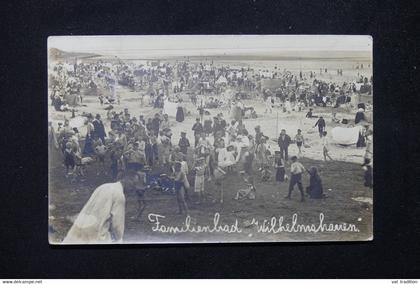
[279,166]
[179,184]
[265,173]
[299,140]
[199,178]
[69,160]
[325,146]
[248,192]
[79,167]
[184,143]
[100,151]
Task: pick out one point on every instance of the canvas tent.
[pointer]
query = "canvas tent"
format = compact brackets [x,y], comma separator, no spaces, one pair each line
[271,84]
[363,88]
[170,108]
[221,80]
[345,136]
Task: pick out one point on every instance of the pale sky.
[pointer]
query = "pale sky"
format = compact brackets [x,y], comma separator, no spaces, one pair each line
[149,46]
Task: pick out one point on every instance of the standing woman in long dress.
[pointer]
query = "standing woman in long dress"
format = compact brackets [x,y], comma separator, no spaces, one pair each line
[180,113]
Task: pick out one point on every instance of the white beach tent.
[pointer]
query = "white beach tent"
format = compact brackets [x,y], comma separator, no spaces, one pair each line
[221,80]
[345,136]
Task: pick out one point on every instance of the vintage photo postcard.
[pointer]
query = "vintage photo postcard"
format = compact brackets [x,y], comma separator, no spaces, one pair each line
[209,139]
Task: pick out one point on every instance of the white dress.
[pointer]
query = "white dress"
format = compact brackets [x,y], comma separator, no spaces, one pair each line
[101,219]
[225,158]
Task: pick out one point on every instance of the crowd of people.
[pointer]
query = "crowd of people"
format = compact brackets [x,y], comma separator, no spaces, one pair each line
[219,147]
[145,144]
[214,83]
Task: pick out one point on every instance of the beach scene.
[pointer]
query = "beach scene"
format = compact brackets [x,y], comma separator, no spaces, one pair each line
[279,132]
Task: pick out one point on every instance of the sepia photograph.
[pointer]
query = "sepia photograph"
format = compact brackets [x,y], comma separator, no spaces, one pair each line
[210,139]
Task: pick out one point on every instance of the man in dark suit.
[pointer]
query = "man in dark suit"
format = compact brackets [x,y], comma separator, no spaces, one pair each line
[156,125]
[99,128]
[321,126]
[217,126]
[284,142]
[198,129]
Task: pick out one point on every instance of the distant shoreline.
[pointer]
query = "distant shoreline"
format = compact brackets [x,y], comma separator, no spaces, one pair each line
[231,58]
[281,56]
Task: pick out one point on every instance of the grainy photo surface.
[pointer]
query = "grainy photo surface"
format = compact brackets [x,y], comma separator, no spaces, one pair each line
[204,139]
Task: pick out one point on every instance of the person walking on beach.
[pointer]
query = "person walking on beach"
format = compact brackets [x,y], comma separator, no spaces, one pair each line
[99,128]
[299,141]
[198,129]
[325,146]
[321,126]
[284,142]
[296,171]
